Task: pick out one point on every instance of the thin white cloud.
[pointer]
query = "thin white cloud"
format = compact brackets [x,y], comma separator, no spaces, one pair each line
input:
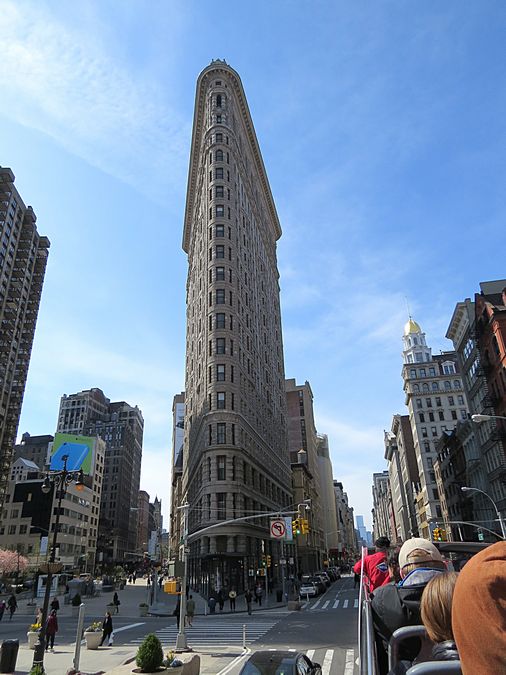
[65,83]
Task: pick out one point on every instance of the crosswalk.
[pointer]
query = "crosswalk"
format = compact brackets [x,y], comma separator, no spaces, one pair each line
[337,603]
[213,632]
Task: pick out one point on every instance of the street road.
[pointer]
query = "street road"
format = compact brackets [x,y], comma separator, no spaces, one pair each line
[325,629]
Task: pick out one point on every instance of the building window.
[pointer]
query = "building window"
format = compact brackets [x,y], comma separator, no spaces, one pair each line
[451,400]
[220,400]
[428,401]
[412,373]
[218,173]
[220,296]
[438,401]
[441,415]
[221,462]
[434,431]
[220,372]
[220,320]
[431,417]
[220,345]
[422,372]
[421,417]
[454,414]
[219,191]
[460,399]
[457,384]
[426,446]
[432,372]
[12,529]
[419,403]
[435,386]
[220,211]
[22,529]
[447,385]
[463,414]
[218,119]
[425,388]
[219,231]
[219,138]
[221,505]
[448,368]
[416,388]
[220,252]
[219,155]
[424,432]
[218,101]
[220,274]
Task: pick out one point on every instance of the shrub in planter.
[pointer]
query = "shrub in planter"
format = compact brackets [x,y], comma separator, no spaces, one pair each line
[37,670]
[150,654]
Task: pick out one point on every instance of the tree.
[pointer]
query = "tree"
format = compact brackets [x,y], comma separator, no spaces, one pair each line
[12,561]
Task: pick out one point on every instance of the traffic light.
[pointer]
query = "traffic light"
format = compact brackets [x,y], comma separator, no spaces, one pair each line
[442,534]
[436,534]
[264,561]
[304,526]
[268,561]
[296,526]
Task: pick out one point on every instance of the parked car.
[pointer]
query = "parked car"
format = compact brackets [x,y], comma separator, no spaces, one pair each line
[320,585]
[279,663]
[308,588]
[324,577]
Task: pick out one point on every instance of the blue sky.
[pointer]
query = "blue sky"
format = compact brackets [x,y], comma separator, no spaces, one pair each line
[382,127]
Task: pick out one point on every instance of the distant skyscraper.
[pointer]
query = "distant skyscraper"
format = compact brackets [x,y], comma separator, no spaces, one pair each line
[23,258]
[121,426]
[235,458]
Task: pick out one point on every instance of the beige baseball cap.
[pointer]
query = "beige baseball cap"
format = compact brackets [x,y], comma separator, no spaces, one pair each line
[418,551]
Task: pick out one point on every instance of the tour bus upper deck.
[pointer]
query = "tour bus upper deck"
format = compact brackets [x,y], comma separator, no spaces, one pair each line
[456,553]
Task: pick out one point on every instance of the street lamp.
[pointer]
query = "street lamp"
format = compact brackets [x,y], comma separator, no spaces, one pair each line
[61,480]
[501,522]
[486,418]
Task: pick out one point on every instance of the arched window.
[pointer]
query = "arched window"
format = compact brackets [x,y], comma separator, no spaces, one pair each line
[416,388]
[425,387]
[219,155]
[435,386]
[447,385]
[218,101]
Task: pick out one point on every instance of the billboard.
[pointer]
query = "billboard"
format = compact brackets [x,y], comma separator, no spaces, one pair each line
[80,451]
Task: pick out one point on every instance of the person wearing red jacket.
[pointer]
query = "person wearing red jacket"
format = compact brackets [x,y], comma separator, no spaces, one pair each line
[376,565]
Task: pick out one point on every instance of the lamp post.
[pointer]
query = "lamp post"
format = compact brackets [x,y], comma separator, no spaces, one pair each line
[485,418]
[61,480]
[501,522]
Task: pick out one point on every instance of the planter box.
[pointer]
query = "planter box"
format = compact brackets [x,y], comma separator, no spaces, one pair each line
[294,605]
[93,639]
[143,610]
[33,638]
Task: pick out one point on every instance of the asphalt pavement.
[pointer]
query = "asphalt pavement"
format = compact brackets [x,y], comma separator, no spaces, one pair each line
[325,629]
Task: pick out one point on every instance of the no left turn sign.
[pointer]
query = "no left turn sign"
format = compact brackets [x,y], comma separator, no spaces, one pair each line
[278,528]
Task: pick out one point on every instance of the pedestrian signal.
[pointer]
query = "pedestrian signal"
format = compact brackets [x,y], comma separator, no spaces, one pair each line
[268,561]
[304,524]
[296,526]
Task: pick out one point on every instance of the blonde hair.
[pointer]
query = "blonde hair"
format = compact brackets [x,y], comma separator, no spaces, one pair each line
[436,606]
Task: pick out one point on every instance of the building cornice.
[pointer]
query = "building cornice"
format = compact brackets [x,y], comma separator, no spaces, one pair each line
[217,68]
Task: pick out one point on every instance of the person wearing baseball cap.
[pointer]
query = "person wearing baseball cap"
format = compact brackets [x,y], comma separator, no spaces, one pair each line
[397,605]
[376,565]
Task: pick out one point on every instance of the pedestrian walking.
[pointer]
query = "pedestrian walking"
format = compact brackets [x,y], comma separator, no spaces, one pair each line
[134,577]
[259,591]
[190,610]
[38,616]
[232,596]
[55,605]
[130,579]
[107,629]
[12,604]
[2,609]
[356,580]
[221,599]
[51,630]
[116,602]
[177,611]
[160,582]
[212,604]
[248,597]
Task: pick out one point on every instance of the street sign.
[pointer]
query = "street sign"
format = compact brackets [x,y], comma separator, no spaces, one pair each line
[289,533]
[278,528]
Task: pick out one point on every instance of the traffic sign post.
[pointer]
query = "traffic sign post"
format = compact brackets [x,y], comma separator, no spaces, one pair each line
[278,528]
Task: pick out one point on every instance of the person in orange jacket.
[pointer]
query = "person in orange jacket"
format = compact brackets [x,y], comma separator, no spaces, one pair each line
[376,565]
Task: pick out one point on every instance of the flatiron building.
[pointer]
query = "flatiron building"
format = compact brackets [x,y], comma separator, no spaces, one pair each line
[235,457]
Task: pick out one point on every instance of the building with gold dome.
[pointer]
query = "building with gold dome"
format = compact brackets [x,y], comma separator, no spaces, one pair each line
[436,402]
